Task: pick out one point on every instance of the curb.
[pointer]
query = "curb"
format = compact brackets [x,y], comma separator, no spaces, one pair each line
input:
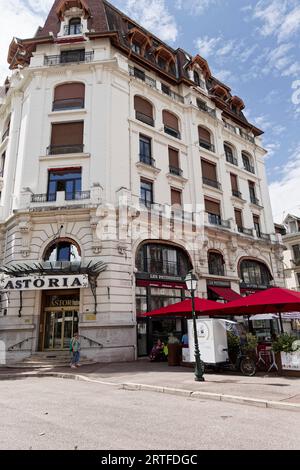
[158,389]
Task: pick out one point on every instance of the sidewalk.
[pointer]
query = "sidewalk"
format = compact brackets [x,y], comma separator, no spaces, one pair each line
[261,390]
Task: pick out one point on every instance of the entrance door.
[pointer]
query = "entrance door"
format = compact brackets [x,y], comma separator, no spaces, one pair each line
[60,326]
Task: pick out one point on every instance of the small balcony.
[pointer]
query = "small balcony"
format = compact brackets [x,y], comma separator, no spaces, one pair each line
[175,171]
[206,109]
[263,236]
[68,196]
[175,96]
[147,160]
[140,75]
[212,183]
[144,118]
[207,145]
[246,231]
[230,127]
[232,160]
[255,201]
[249,168]
[65,149]
[215,219]
[173,132]
[247,137]
[237,194]
[69,103]
[71,57]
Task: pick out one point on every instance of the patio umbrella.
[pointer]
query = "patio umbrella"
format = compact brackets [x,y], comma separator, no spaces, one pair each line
[274,300]
[184,308]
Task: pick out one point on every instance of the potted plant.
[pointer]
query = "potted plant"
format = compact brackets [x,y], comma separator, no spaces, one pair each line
[233,342]
[250,346]
[283,344]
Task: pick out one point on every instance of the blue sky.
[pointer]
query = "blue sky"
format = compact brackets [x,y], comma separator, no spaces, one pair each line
[252,45]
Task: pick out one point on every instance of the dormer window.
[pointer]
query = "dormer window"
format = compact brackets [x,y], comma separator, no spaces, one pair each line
[135,47]
[196,78]
[74,27]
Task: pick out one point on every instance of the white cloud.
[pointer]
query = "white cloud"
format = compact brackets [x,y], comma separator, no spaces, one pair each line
[224,75]
[19,20]
[207,46]
[195,7]
[285,192]
[152,15]
[279,17]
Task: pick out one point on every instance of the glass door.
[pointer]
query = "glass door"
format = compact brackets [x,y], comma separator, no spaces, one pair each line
[60,326]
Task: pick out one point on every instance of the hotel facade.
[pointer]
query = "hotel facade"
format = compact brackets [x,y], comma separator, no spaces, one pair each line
[124,165]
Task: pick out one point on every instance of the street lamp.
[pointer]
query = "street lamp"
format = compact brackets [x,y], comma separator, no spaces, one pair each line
[191,284]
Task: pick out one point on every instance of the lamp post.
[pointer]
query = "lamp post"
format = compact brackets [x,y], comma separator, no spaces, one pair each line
[191,284]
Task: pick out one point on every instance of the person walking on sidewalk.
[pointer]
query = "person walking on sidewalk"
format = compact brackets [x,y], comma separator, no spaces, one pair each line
[75,350]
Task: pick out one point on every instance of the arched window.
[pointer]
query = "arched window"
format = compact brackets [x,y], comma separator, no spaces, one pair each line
[168,260]
[255,273]
[143,110]
[63,250]
[229,153]
[205,139]
[197,78]
[171,124]
[75,26]
[69,96]
[216,265]
[247,162]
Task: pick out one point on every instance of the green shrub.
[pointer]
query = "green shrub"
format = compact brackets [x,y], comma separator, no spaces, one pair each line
[284,343]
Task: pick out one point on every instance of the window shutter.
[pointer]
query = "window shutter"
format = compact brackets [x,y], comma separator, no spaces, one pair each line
[204,134]
[70,133]
[234,182]
[173,158]
[143,106]
[175,197]
[170,120]
[213,207]
[209,170]
[69,91]
[256,219]
[238,217]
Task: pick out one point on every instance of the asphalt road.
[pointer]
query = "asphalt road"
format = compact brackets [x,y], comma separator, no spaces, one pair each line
[48,413]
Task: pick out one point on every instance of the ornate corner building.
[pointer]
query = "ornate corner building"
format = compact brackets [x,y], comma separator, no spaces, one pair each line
[124,164]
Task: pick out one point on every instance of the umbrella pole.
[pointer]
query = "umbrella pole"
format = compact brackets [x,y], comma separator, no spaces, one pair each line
[281,323]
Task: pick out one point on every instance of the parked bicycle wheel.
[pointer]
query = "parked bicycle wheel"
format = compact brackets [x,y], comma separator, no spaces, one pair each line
[247,366]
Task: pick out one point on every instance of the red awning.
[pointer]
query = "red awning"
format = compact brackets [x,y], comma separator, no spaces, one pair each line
[184,308]
[274,300]
[225,293]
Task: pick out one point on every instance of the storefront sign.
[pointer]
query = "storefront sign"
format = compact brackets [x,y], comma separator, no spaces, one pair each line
[290,361]
[45,283]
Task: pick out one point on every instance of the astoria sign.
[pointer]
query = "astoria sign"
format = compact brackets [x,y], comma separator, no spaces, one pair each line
[45,283]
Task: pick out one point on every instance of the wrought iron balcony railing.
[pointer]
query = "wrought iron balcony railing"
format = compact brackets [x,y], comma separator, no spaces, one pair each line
[144,118]
[68,103]
[69,196]
[147,160]
[215,219]
[207,109]
[249,168]
[71,57]
[213,183]
[140,74]
[236,193]
[247,137]
[64,149]
[175,171]
[173,132]
[207,145]
[246,231]
[232,160]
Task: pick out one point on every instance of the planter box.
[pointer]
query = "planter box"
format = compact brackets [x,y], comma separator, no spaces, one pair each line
[290,363]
